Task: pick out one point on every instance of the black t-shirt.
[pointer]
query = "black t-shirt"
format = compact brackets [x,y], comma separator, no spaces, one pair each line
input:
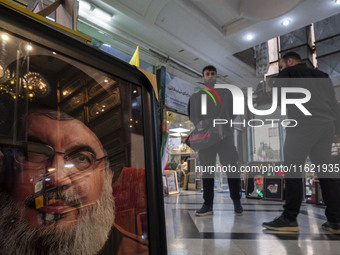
[322,105]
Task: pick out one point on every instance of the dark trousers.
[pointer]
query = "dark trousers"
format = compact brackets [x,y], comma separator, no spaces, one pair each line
[228,156]
[313,140]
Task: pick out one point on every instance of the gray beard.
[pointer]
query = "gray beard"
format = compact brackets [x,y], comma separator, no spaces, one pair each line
[87,236]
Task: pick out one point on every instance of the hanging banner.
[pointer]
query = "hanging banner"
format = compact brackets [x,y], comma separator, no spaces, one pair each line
[177,93]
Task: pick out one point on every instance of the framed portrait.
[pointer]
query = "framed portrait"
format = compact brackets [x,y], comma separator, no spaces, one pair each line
[254,186]
[273,189]
[254,179]
[171,180]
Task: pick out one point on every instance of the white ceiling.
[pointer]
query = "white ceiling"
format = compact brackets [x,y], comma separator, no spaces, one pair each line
[200,32]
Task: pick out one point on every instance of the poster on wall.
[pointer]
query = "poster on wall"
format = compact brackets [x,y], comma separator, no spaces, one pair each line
[177,93]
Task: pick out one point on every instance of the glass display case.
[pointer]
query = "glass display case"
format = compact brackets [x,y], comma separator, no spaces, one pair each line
[79,164]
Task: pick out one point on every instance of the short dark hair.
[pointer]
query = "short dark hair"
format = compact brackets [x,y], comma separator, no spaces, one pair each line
[292,55]
[209,68]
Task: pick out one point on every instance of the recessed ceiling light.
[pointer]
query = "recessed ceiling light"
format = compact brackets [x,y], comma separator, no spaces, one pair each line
[285,22]
[249,37]
[178,134]
[100,14]
[4,37]
[179,130]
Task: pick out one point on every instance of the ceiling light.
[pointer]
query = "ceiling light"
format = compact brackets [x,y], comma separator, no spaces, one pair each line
[84,5]
[179,130]
[52,19]
[98,13]
[4,37]
[249,37]
[178,134]
[337,1]
[285,22]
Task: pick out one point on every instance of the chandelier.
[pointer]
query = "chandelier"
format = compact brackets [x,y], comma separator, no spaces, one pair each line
[31,84]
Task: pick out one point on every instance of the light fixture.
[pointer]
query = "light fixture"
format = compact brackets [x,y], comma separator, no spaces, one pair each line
[84,5]
[179,130]
[4,37]
[52,19]
[178,134]
[29,47]
[285,22]
[337,2]
[100,14]
[249,37]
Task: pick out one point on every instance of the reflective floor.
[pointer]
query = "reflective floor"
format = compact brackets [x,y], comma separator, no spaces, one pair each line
[224,233]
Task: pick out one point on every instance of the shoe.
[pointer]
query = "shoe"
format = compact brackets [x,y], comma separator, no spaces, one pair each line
[331,227]
[238,209]
[204,211]
[282,224]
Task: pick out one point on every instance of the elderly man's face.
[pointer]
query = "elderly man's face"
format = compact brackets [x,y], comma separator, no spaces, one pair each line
[62,200]
[56,189]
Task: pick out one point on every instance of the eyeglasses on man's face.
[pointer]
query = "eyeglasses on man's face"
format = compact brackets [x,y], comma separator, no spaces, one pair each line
[40,156]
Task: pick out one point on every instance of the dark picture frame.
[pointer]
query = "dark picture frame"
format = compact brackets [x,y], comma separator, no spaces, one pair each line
[273,189]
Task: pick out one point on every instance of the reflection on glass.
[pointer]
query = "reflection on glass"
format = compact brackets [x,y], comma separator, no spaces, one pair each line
[102,105]
[266,145]
[100,85]
[65,92]
[74,102]
[70,183]
[36,83]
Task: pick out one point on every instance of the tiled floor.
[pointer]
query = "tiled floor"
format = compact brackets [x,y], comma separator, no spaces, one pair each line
[224,233]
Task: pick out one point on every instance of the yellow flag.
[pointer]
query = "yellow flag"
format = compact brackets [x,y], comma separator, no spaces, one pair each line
[135,58]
